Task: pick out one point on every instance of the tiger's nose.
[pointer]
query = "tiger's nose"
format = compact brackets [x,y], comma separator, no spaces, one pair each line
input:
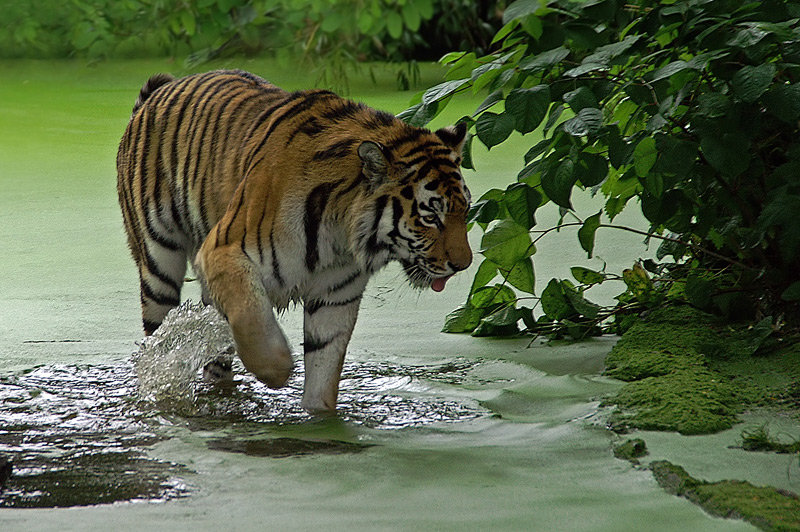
[461,263]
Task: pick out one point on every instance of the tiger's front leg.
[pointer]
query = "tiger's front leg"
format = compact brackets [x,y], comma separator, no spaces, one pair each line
[328,325]
[233,282]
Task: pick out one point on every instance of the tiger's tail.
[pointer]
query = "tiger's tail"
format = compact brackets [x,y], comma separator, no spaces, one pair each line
[149,87]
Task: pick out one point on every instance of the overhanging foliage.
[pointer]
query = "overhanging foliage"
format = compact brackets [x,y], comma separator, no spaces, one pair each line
[689,108]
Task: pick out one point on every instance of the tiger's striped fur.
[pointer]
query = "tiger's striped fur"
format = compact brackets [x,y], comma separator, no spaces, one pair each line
[278,197]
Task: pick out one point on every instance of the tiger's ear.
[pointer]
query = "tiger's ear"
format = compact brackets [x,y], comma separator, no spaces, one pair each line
[453,136]
[376,167]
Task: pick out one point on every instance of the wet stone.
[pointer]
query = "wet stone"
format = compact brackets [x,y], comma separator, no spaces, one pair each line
[631,450]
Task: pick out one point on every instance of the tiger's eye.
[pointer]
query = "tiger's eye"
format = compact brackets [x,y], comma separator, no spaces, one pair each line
[430,219]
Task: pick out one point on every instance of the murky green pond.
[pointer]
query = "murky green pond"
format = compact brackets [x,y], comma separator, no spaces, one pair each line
[435,432]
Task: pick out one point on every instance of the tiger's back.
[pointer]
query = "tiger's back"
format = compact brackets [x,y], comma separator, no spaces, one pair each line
[279,196]
[180,159]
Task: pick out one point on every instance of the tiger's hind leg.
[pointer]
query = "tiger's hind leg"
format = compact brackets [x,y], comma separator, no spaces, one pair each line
[161,274]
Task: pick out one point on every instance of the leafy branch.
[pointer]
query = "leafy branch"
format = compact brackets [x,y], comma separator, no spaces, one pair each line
[689,107]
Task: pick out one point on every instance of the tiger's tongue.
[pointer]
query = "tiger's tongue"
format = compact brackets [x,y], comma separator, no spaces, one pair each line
[438,284]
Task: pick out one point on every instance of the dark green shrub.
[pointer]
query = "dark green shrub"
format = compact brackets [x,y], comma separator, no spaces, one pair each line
[691,107]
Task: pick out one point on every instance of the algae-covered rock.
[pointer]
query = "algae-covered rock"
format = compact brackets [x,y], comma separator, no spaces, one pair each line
[766,507]
[689,401]
[671,339]
[631,450]
[691,372]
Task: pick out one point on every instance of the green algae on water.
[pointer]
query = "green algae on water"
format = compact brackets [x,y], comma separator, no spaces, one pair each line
[766,507]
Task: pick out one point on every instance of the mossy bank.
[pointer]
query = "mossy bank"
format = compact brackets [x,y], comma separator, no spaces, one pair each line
[693,373]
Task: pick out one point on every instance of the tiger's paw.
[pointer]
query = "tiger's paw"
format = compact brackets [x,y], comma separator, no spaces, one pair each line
[219,372]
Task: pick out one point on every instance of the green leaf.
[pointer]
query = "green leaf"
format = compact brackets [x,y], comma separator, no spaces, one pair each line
[487,329]
[639,283]
[506,243]
[783,101]
[492,297]
[670,69]
[489,101]
[503,317]
[581,98]
[654,184]
[519,9]
[442,90]
[411,16]
[466,153]
[493,128]
[532,26]
[585,68]
[394,24]
[587,276]
[528,107]
[463,319]
[188,22]
[558,184]
[587,122]
[582,305]
[425,8]
[644,156]
[658,210]
[486,272]
[750,82]
[554,301]
[484,211]
[792,293]
[593,169]
[365,21]
[587,231]
[728,153]
[713,104]
[522,200]
[504,31]
[544,60]
[332,21]
[698,290]
[420,114]
[522,276]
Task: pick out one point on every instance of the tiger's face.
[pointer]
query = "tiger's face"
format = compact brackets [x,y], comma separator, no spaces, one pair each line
[422,205]
[437,223]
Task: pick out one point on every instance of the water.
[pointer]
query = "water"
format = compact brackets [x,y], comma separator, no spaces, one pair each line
[435,432]
[79,435]
[76,436]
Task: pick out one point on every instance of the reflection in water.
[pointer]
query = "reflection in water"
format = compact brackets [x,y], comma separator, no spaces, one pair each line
[79,435]
[284,447]
[76,436]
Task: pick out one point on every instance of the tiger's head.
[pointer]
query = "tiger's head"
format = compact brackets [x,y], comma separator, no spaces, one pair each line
[420,203]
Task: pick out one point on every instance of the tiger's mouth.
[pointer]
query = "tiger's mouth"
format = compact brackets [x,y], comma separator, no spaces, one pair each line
[437,285]
[420,277]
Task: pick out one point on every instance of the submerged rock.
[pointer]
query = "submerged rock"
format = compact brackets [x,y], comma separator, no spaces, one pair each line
[631,450]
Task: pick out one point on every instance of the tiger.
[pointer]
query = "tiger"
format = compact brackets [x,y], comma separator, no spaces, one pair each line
[280,198]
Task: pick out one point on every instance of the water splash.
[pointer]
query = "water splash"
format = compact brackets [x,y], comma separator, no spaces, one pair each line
[168,362]
[374,394]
